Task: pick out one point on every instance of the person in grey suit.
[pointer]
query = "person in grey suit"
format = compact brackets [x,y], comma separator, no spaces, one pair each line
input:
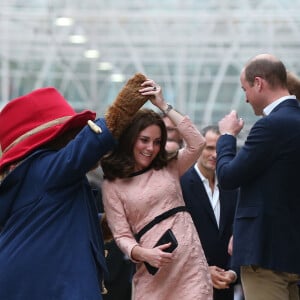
[212,210]
[266,239]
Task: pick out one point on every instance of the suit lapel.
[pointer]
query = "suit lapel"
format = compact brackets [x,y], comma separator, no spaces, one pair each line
[199,192]
[222,213]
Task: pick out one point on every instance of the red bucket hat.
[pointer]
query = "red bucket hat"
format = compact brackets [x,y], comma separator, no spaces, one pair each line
[34,119]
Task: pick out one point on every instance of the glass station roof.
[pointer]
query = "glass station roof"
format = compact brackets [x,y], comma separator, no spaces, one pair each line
[194,49]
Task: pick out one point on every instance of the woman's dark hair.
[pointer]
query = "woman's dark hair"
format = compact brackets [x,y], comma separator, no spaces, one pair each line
[293,84]
[120,162]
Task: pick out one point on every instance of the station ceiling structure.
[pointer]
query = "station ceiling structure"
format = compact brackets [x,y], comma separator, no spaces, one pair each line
[195,49]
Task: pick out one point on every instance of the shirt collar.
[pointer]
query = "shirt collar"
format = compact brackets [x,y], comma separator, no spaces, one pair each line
[199,172]
[202,177]
[267,110]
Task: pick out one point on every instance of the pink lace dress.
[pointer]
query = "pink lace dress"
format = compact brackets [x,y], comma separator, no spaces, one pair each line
[133,202]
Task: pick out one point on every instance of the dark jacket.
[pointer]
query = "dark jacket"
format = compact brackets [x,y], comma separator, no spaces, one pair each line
[214,239]
[266,168]
[51,246]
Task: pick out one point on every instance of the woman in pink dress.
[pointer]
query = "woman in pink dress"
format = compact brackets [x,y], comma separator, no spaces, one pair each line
[142,182]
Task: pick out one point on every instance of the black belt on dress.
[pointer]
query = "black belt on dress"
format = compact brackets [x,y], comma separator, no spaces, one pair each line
[158,219]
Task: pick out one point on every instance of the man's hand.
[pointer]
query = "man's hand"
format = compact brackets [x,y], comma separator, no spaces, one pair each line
[231,124]
[221,279]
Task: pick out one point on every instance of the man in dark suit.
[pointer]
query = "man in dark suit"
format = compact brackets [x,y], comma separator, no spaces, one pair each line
[266,241]
[212,210]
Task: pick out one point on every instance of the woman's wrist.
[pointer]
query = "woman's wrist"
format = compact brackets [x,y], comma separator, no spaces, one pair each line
[167,108]
[137,253]
[134,253]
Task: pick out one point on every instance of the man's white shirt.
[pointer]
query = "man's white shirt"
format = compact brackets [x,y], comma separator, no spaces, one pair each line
[214,197]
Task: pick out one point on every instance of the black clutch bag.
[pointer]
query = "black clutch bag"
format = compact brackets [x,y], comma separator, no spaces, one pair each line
[167,237]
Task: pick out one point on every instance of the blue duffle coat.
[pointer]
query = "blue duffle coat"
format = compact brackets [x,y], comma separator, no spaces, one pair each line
[51,246]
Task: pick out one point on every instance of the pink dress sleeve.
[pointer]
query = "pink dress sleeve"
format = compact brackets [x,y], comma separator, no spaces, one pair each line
[194,143]
[116,217]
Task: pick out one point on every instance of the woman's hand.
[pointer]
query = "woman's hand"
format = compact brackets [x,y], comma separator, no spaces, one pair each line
[156,257]
[149,87]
